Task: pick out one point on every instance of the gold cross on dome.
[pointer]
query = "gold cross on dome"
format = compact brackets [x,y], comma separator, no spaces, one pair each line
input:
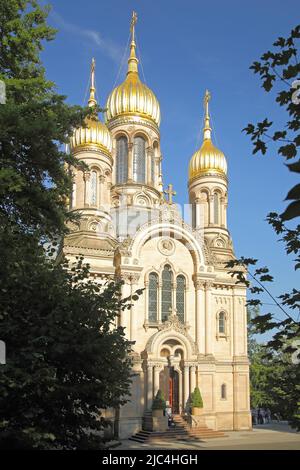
[170,193]
[133,21]
[207,98]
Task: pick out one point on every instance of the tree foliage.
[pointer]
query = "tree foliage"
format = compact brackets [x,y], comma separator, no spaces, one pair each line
[275,367]
[274,379]
[159,402]
[279,70]
[196,398]
[66,357]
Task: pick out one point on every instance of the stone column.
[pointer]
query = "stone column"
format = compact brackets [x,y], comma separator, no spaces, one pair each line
[74,195]
[193,378]
[200,315]
[173,294]
[86,178]
[125,292]
[149,154]
[159,301]
[146,297]
[149,386]
[186,385]
[235,323]
[198,212]
[130,162]
[156,379]
[156,171]
[134,279]
[222,211]
[180,380]
[208,319]
[211,210]
[100,193]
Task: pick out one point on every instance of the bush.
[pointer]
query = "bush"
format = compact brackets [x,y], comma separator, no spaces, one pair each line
[196,399]
[159,402]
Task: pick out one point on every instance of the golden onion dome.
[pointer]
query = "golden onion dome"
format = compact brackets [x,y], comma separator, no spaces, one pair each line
[132,97]
[95,133]
[207,159]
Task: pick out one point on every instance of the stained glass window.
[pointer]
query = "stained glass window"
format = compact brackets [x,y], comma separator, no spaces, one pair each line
[222,322]
[152,300]
[94,188]
[139,159]
[180,297]
[166,294]
[122,160]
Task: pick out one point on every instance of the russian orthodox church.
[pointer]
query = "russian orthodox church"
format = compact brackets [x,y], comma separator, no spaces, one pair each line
[189,327]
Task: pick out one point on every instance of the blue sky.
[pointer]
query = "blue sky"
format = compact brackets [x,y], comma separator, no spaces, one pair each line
[186,47]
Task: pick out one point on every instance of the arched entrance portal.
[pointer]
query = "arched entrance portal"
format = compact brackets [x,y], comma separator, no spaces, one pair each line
[169,385]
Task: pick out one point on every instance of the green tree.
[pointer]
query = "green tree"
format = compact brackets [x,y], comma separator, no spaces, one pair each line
[35,124]
[66,358]
[159,402]
[196,399]
[279,71]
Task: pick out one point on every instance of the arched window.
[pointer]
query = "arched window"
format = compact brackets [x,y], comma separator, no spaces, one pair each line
[94,188]
[152,299]
[122,160]
[216,208]
[222,323]
[139,159]
[166,294]
[180,297]
[223,392]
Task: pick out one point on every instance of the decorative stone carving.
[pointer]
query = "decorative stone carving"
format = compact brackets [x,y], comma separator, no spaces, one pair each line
[173,323]
[124,247]
[129,277]
[166,246]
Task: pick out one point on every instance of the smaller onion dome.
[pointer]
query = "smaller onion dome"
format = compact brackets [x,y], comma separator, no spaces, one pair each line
[207,159]
[95,133]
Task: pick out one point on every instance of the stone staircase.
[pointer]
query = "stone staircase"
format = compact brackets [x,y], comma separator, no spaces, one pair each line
[181,431]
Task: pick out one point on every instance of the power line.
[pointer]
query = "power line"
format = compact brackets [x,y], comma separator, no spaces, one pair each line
[122,61]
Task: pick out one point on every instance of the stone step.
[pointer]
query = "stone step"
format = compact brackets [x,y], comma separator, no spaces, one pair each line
[180,431]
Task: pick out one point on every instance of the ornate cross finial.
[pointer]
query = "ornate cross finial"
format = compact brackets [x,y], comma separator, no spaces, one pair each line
[133,23]
[133,61]
[92,101]
[207,129]
[207,98]
[170,193]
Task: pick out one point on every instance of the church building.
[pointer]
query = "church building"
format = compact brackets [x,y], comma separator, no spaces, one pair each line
[189,326]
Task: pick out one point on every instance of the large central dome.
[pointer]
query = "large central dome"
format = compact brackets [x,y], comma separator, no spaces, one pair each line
[132,98]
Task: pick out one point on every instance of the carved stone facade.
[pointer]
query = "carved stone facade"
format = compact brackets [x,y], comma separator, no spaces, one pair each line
[188,328]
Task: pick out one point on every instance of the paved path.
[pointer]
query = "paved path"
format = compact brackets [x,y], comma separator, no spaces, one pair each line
[275,436]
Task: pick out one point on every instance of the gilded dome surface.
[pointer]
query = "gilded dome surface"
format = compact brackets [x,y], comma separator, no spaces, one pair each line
[207,159]
[95,132]
[132,97]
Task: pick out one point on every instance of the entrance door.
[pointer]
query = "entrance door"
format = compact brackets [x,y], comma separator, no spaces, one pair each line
[169,385]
